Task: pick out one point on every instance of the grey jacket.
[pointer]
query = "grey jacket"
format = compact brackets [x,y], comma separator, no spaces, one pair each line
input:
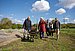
[57,25]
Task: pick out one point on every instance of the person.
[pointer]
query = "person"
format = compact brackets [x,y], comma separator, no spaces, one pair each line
[42,27]
[51,28]
[27,24]
[57,27]
[47,27]
[27,27]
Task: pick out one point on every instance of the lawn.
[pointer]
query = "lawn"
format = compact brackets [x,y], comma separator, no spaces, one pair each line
[65,43]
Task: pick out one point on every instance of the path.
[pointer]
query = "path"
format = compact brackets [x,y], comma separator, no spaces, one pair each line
[6,38]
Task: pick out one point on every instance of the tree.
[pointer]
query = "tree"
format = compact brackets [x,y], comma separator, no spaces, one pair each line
[14,26]
[6,23]
[19,26]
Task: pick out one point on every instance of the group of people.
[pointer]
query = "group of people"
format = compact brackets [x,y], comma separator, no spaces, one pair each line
[44,26]
[49,27]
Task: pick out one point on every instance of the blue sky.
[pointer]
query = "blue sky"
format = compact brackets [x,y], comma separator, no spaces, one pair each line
[18,10]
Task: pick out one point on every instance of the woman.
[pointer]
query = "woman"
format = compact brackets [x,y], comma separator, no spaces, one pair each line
[42,27]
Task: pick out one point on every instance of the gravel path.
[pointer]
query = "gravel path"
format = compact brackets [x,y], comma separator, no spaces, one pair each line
[6,38]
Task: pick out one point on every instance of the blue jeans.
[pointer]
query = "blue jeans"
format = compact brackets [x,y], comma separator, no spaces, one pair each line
[28,29]
[41,35]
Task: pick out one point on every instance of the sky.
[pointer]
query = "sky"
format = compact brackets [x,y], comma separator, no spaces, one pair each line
[19,10]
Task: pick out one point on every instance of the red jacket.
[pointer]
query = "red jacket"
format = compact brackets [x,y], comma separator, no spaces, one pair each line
[42,26]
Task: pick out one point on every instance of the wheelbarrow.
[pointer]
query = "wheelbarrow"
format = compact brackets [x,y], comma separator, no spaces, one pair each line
[29,36]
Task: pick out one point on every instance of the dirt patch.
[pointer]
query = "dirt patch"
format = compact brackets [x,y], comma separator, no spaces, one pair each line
[6,38]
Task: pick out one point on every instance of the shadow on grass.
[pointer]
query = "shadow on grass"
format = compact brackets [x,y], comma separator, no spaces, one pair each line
[18,36]
[52,38]
[32,39]
[26,40]
[23,39]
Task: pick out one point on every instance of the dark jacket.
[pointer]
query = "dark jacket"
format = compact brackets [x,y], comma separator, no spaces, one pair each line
[57,25]
[27,24]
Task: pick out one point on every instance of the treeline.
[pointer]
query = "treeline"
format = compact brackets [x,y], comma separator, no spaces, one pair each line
[6,23]
[68,25]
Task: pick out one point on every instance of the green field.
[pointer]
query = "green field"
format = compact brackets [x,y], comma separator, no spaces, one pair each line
[65,43]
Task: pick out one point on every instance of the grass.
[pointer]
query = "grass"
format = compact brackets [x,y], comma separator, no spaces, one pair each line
[65,43]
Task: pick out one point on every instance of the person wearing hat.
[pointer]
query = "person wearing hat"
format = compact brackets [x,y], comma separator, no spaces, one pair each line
[42,27]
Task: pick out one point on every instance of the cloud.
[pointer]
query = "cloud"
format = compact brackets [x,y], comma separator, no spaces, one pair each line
[67,3]
[23,19]
[19,21]
[16,21]
[10,17]
[1,15]
[74,20]
[60,11]
[66,18]
[50,19]
[41,6]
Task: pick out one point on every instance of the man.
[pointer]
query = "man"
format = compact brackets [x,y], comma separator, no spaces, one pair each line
[27,24]
[47,27]
[27,27]
[51,28]
[57,27]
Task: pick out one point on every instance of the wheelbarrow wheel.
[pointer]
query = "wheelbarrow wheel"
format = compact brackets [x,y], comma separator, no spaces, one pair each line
[31,39]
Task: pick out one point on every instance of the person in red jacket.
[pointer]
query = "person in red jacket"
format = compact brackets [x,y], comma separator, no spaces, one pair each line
[42,27]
